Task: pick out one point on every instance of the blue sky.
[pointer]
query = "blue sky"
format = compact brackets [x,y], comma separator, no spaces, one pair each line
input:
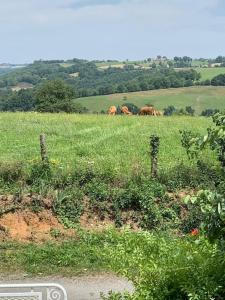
[110,29]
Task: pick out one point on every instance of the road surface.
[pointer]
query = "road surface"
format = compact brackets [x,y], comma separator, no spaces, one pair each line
[80,288]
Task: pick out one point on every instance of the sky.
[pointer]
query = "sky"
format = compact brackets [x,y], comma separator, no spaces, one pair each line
[110,29]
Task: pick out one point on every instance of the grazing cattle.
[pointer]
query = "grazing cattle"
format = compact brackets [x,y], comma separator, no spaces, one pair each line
[150,111]
[125,111]
[112,110]
[147,110]
[158,113]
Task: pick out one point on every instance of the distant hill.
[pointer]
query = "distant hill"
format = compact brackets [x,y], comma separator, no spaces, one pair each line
[7,68]
[89,78]
[102,78]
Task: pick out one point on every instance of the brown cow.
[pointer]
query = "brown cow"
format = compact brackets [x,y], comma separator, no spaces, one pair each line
[147,110]
[158,113]
[125,111]
[112,110]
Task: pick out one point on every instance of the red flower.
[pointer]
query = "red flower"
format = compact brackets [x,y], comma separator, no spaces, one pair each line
[195,232]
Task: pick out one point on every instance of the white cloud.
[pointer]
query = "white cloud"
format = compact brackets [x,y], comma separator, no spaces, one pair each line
[117,29]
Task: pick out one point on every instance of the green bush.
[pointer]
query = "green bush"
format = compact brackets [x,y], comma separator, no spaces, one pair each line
[192,218]
[212,207]
[183,176]
[68,204]
[147,198]
[137,194]
[11,172]
[97,190]
[99,194]
[163,267]
[179,177]
[83,175]
[40,171]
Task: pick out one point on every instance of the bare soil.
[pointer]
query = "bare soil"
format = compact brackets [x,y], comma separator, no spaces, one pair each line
[25,225]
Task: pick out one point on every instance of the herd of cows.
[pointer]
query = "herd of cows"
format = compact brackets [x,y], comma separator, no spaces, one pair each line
[144,111]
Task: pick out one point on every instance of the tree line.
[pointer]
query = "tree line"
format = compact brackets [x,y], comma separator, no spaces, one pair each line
[91,80]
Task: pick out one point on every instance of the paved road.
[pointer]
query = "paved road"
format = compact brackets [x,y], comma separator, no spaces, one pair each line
[82,288]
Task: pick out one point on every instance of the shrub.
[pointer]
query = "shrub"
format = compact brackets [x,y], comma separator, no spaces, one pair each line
[148,198]
[97,190]
[136,195]
[99,194]
[83,175]
[218,80]
[215,138]
[11,171]
[40,171]
[212,207]
[68,204]
[189,110]
[132,108]
[192,218]
[162,267]
[183,176]
[169,111]
[209,112]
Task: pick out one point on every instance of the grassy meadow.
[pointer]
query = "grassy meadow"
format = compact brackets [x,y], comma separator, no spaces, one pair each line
[120,143]
[200,98]
[209,73]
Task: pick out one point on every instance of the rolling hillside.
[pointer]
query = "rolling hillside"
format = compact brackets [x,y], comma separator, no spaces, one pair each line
[200,98]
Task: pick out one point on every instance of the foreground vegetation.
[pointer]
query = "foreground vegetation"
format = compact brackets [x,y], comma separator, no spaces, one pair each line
[173,247]
[161,267]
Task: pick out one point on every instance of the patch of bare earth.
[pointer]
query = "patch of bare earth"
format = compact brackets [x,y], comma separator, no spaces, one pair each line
[30,218]
[25,225]
[18,221]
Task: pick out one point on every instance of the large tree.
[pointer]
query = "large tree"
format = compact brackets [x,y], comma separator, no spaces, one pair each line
[55,96]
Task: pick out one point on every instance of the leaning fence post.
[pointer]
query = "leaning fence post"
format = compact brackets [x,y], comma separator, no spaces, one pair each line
[154,150]
[43,147]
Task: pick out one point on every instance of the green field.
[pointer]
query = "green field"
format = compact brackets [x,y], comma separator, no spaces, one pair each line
[209,73]
[118,143]
[200,98]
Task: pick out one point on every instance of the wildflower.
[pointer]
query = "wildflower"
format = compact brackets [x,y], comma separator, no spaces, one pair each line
[54,161]
[195,232]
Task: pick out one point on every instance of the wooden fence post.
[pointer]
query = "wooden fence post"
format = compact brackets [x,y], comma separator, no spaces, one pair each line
[154,150]
[44,155]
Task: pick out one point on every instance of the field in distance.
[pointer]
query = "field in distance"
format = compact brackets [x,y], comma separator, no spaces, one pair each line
[118,144]
[209,73]
[200,98]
